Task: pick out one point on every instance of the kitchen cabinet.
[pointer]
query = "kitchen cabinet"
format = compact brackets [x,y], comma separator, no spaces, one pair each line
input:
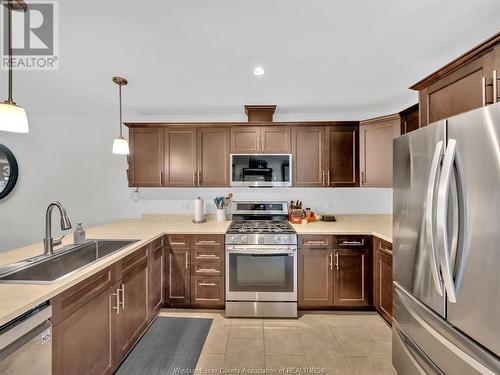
[146,157]
[464,84]
[376,136]
[334,271]
[213,157]
[179,275]
[179,147]
[409,120]
[84,327]
[343,164]
[132,319]
[309,156]
[156,276]
[382,278]
[260,139]
[315,272]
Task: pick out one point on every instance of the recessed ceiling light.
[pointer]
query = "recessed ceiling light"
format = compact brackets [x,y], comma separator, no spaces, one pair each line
[259,71]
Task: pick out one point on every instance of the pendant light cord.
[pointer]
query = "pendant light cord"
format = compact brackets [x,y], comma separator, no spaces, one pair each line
[9,20]
[120,94]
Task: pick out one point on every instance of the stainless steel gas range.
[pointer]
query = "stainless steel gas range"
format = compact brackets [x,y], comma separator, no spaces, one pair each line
[261,261]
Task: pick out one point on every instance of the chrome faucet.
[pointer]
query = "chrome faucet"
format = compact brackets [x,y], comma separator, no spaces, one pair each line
[48,242]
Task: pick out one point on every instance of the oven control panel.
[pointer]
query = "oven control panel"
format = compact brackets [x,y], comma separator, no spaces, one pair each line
[261,239]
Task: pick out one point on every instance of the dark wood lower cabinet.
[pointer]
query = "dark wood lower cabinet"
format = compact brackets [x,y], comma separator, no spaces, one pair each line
[382,278]
[351,278]
[156,277]
[179,276]
[315,277]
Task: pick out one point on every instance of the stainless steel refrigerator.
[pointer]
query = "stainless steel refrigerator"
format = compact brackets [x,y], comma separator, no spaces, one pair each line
[447,246]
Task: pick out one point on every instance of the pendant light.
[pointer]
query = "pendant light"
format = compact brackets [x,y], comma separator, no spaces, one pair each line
[120,144]
[12,117]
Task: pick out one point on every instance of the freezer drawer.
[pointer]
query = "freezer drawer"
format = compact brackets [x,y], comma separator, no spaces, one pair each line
[451,351]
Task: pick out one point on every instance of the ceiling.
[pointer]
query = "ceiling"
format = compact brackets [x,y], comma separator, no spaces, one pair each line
[335,60]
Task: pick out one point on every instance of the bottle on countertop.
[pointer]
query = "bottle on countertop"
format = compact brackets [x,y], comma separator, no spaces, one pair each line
[79,234]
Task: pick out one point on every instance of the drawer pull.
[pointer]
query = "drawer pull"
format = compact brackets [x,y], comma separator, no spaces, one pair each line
[353,243]
[207,256]
[388,251]
[187,259]
[206,284]
[207,270]
[315,243]
[207,243]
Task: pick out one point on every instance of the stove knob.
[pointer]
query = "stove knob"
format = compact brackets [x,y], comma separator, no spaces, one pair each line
[277,239]
[260,240]
[234,239]
[244,238]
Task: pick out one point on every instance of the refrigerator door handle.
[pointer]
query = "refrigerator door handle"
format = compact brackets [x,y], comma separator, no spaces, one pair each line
[451,159]
[429,222]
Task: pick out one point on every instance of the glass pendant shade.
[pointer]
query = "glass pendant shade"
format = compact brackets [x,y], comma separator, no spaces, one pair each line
[13,118]
[120,146]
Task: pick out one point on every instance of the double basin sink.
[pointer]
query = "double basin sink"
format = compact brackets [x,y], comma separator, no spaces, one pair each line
[48,269]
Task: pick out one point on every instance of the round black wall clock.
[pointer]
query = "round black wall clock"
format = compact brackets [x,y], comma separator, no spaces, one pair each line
[8,171]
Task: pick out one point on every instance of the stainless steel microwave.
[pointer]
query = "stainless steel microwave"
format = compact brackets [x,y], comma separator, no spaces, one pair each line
[261,170]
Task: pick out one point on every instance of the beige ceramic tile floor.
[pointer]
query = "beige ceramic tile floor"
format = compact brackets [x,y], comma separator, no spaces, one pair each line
[329,342]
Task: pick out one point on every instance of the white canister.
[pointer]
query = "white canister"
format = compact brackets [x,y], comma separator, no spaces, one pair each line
[221,215]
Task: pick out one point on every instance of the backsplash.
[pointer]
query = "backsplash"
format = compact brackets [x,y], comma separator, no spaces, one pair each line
[322,201]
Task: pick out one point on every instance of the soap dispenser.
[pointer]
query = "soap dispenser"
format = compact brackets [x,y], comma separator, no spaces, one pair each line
[79,234]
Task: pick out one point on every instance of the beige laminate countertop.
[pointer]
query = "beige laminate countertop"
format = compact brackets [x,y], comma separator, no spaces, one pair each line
[19,298]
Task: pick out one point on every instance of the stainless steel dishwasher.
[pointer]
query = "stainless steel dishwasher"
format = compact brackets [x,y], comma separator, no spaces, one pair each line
[26,343]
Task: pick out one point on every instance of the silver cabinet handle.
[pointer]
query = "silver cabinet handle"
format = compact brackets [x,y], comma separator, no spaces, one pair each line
[315,243]
[322,178]
[187,259]
[353,243]
[331,260]
[199,178]
[451,158]
[117,307]
[328,178]
[177,243]
[206,284]
[194,178]
[429,210]
[483,89]
[337,260]
[207,243]
[363,178]
[495,86]
[201,256]
[387,251]
[123,296]
[207,270]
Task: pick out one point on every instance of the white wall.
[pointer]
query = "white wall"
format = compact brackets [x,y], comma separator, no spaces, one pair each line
[69,159]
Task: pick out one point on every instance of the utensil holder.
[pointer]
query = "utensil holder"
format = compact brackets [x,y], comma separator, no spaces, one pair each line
[221,215]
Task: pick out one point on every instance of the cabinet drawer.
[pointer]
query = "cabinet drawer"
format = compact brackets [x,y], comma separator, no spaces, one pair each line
[207,268]
[130,260]
[384,246]
[215,254]
[351,242]
[74,298]
[179,241]
[208,240]
[315,241]
[207,290]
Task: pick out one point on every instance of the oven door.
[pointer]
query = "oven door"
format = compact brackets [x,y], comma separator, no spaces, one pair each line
[260,273]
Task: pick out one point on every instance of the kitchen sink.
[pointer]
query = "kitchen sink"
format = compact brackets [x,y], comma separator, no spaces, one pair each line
[48,269]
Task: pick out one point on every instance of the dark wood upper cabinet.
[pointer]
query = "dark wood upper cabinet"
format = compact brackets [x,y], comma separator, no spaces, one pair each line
[343,161]
[376,136]
[134,306]
[245,140]
[409,120]
[351,277]
[315,277]
[275,139]
[213,156]
[146,157]
[309,156]
[382,278]
[458,86]
[180,157]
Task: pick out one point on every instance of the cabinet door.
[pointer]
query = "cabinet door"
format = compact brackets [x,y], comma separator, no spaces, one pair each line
[213,157]
[84,327]
[351,278]
[207,291]
[376,152]
[180,157]
[458,92]
[133,316]
[179,276]
[382,296]
[156,277]
[146,157]
[275,139]
[410,121]
[343,161]
[309,160]
[245,140]
[315,277]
